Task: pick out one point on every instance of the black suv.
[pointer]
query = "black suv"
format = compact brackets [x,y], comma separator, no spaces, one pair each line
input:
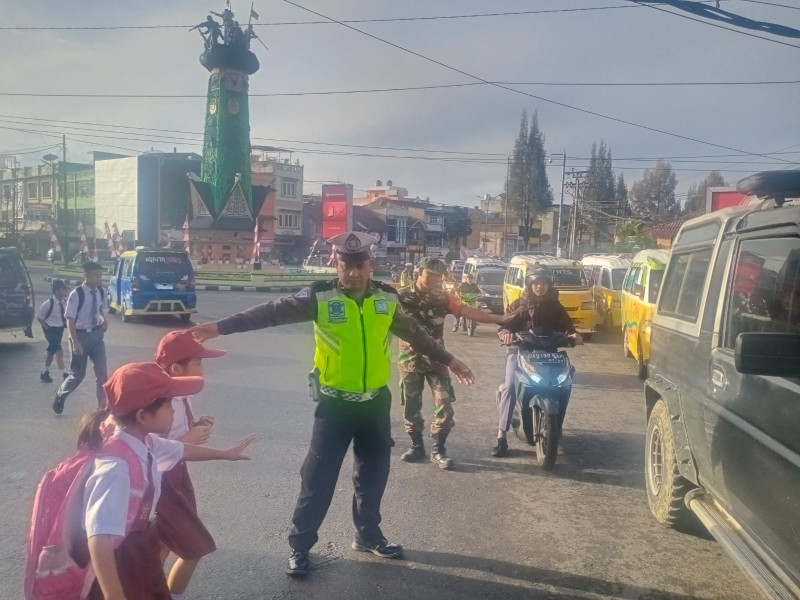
[723,395]
[16,293]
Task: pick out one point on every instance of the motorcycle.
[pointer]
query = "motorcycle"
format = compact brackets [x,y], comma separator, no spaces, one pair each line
[468,324]
[543,384]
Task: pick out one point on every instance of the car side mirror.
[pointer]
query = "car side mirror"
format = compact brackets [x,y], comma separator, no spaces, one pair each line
[638,290]
[776,354]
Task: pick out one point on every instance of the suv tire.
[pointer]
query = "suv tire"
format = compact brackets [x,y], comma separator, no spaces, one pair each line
[665,487]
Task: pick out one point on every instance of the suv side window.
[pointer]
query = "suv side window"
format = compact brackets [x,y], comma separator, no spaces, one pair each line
[520,280]
[683,288]
[765,295]
[629,280]
[606,279]
[127,268]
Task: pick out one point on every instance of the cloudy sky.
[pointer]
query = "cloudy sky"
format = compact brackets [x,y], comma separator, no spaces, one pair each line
[609,45]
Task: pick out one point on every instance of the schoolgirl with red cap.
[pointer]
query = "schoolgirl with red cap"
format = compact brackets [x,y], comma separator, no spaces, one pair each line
[123,545]
[179,526]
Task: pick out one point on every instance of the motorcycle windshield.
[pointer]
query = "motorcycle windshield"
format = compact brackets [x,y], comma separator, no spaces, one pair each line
[542,339]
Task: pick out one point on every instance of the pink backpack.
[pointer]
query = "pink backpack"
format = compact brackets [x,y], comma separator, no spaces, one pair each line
[57,555]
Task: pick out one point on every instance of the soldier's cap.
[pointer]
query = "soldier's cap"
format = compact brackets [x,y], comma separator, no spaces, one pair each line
[352,246]
[435,265]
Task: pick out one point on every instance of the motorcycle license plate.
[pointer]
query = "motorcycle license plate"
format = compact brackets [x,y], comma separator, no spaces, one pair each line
[164,286]
[551,358]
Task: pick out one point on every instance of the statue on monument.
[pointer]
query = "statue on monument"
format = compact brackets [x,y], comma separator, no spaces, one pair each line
[234,50]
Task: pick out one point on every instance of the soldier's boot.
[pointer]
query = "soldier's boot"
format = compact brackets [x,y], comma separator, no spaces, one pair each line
[439,454]
[417,451]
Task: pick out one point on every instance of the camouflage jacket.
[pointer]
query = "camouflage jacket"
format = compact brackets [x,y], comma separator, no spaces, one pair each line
[429,310]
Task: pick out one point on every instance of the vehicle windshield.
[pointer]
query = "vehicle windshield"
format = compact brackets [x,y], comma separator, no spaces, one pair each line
[568,277]
[490,277]
[617,277]
[10,273]
[654,285]
[163,267]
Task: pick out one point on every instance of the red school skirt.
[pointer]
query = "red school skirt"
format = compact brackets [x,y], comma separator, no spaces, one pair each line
[139,566]
[179,527]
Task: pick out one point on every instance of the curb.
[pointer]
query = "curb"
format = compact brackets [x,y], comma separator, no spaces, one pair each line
[215,288]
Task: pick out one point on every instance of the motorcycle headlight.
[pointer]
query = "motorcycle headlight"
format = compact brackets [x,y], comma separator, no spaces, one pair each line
[587,305]
[530,371]
[561,378]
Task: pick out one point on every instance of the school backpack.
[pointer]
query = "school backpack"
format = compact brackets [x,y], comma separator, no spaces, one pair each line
[82,297]
[57,556]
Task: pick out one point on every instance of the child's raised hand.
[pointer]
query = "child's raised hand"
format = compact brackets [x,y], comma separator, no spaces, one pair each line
[197,435]
[235,452]
[206,421]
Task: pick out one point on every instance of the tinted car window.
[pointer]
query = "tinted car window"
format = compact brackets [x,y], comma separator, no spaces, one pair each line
[704,233]
[654,285]
[633,275]
[10,276]
[568,277]
[766,288]
[162,267]
[126,272]
[490,277]
[606,281]
[617,277]
[683,288]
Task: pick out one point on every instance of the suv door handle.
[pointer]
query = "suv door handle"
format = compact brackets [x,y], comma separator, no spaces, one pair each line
[718,379]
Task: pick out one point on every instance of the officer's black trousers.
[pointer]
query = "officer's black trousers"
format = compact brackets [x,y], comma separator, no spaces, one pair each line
[336,423]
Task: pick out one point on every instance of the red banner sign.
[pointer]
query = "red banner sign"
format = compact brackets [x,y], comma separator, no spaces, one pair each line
[336,207]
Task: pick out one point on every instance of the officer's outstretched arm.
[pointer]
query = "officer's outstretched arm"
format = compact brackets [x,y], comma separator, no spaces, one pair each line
[298,308]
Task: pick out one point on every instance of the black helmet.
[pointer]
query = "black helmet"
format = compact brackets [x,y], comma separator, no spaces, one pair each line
[541,272]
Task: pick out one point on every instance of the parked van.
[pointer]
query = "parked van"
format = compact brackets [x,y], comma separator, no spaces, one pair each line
[472,265]
[568,278]
[723,397]
[606,274]
[154,281]
[16,293]
[639,295]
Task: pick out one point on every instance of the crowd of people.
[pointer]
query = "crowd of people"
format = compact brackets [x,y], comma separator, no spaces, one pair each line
[138,502]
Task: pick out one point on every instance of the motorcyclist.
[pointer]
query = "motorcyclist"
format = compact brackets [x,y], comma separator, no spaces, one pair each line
[407,277]
[468,287]
[538,307]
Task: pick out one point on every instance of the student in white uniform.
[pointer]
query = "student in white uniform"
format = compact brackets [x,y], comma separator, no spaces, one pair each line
[87,324]
[51,317]
[124,545]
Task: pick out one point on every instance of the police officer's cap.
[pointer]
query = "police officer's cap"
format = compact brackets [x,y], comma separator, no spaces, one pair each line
[352,246]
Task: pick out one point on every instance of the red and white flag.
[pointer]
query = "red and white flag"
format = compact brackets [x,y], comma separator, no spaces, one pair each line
[256,243]
[186,241]
[84,243]
[112,250]
[117,238]
[53,239]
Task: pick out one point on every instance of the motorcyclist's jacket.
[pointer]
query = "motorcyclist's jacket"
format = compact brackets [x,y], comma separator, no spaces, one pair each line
[352,338]
[531,312]
[429,309]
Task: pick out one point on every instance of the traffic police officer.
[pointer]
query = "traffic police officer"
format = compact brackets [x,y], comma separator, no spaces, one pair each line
[353,317]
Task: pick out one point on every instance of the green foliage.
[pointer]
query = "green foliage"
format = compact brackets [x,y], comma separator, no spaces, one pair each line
[528,190]
[696,198]
[457,226]
[631,237]
[600,195]
[653,196]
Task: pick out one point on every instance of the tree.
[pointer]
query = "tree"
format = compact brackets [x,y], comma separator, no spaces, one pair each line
[528,190]
[631,237]
[653,196]
[457,226]
[599,198]
[696,198]
[621,197]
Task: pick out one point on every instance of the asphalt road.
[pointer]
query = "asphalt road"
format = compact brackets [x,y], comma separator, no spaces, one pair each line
[492,528]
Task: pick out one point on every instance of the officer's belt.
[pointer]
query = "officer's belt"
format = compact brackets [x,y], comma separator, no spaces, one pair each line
[350,396]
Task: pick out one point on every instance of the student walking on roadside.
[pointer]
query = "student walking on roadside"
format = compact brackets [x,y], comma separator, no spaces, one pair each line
[179,527]
[53,322]
[87,324]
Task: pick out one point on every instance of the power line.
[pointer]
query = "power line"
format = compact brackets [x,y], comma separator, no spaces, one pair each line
[471,76]
[281,23]
[710,24]
[419,87]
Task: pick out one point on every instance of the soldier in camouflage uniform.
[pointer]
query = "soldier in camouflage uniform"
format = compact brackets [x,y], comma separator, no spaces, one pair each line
[428,304]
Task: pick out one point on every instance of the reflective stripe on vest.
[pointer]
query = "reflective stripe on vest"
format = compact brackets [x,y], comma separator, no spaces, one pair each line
[353,353]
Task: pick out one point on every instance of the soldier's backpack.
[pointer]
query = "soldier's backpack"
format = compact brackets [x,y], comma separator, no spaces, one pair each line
[57,554]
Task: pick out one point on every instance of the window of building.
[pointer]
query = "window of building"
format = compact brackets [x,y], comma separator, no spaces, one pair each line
[7,192]
[288,220]
[33,190]
[766,288]
[435,219]
[85,188]
[683,287]
[47,191]
[289,188]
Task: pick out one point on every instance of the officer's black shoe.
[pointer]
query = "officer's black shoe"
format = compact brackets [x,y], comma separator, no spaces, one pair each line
[298,565]
[380,547]
[45,377]
[439,454]
[501,449]
[58,404]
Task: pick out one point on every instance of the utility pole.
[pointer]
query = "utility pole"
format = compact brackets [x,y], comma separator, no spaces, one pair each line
[505,208]
[577,186]
[64,200]
[14,203]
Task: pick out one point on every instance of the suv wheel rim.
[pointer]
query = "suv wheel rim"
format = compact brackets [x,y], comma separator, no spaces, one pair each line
[655,472]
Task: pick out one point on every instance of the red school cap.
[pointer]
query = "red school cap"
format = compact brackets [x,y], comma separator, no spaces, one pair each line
[180,345]
[138,385]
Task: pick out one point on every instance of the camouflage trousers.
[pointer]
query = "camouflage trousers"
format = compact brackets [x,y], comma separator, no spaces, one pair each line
[412,386]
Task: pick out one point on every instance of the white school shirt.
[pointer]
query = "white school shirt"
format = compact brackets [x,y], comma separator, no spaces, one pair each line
[84,320]
[180,422]
[54,320]
[108,488]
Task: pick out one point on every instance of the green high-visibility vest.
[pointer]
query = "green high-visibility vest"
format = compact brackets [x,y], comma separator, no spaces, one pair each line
[353,352]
